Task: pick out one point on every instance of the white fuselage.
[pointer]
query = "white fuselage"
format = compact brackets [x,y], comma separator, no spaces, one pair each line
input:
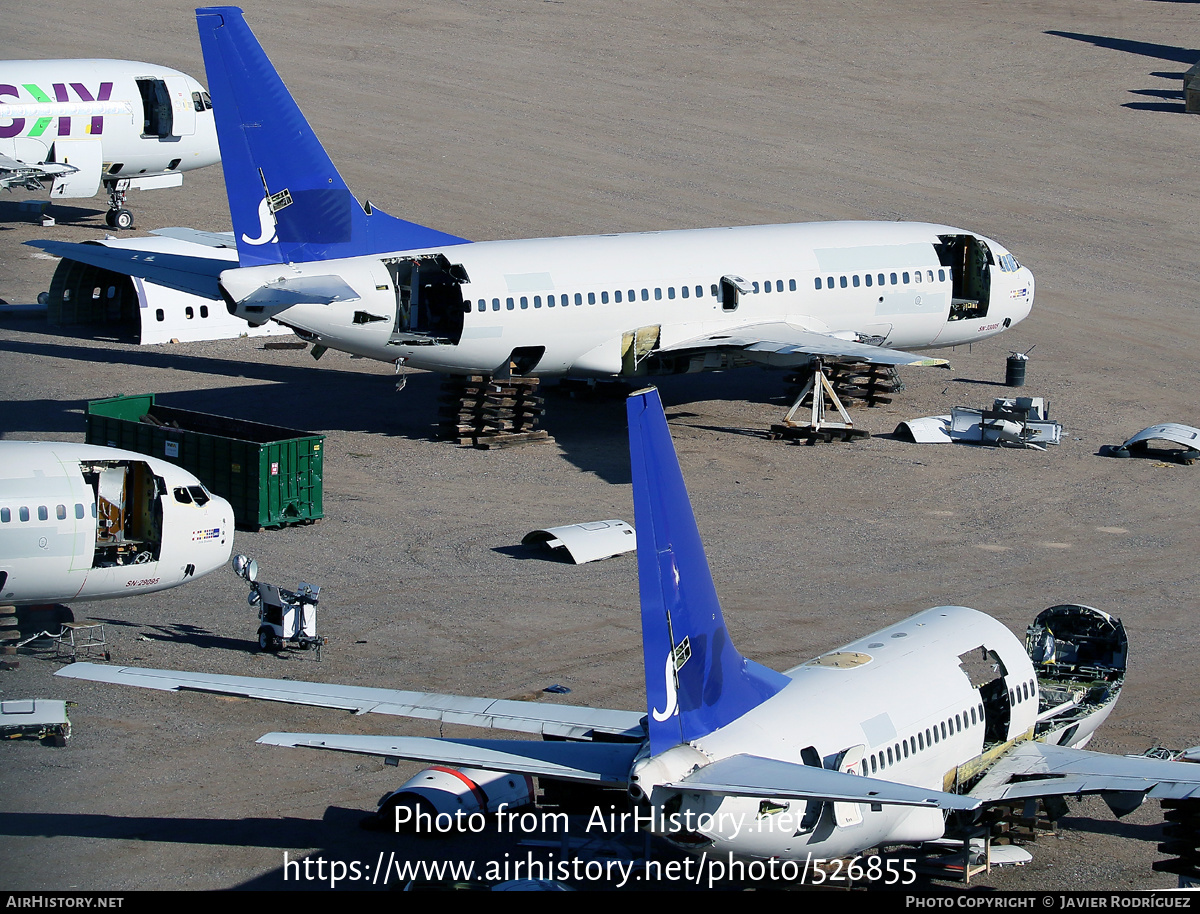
[581,299]
[81,522]
[896,705]
[110,119]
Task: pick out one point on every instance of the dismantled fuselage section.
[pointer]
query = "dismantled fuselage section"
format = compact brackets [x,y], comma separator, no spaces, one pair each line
[1079,654]
[1022,422]
[128,512]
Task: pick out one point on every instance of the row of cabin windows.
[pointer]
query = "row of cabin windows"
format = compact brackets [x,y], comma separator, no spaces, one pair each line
[564,300]
[43,513]
[877,279]
[911,745]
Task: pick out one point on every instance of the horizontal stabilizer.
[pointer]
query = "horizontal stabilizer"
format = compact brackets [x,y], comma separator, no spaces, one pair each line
[300,290]
[784,344]
[562,721]
[1033,769]
[751,776]
[600,764]
[196,275]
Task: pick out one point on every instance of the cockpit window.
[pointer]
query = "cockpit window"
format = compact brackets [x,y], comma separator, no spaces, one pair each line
[182,496]
[199,495]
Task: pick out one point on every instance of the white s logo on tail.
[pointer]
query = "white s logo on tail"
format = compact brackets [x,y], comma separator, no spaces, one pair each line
[266,225]
[672,696]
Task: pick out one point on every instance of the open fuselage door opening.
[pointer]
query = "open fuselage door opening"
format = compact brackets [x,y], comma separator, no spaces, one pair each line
[129,512]
[969,261]
[429,299]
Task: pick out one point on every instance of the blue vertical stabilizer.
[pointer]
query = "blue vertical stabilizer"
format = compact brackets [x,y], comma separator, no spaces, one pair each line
[288,202]
[696,681]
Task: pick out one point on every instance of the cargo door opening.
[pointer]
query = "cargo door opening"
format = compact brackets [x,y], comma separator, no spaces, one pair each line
[969,261]
[429,301]
[128,512]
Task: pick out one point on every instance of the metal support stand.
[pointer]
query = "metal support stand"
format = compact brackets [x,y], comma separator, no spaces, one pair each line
[819,428]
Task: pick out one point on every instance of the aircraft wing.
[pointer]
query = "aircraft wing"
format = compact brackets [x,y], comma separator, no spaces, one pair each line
[783,344]
[1033,769]
[600,764]
[561,721]
[752,776]
[196,274]
[15,173]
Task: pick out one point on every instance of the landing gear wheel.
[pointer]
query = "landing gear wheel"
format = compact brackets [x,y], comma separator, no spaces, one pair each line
[108,218]
[121,218]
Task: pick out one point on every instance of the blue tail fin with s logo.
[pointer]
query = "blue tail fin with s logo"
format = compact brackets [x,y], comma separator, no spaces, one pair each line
[696,681]
[287,201]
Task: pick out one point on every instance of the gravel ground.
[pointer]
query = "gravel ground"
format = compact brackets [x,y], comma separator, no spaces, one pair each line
[1055,127]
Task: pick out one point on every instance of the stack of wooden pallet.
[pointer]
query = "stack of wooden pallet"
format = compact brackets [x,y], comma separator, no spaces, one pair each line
[483,412]
[862,381]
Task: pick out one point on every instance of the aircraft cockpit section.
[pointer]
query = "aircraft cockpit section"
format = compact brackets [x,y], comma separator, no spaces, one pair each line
[1079,655]
[990,290]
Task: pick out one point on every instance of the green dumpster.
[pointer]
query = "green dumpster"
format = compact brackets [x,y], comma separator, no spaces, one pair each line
[270,474]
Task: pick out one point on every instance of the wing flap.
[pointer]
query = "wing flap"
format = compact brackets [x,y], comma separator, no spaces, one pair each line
[600,764]
[562,721]
[779,343]
[1033,769]
[752,776]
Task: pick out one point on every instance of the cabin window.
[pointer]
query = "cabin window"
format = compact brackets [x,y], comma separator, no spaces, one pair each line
[617,296]
[509,304]
[920,741]
[700,291]
[943,729]
[894,279]
[906,279]
[23,513]
[889,754]
[5,516]
[78,511]
[482,304]
[791,285]
[61,512]
[604,298]
[524,303]
[658,294]
[645,295]
[929,273]
[868,279]
[579,298]
[842,282]
[714,290]
[537,301]
[188,312]
[941,275]
[591,298]
[159,315]
[671,292]
[881,279]
[633,294]
[904,743]
[854,280]
[684,291]
[43,514]
[817,283]
[917,276]
[767,286]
